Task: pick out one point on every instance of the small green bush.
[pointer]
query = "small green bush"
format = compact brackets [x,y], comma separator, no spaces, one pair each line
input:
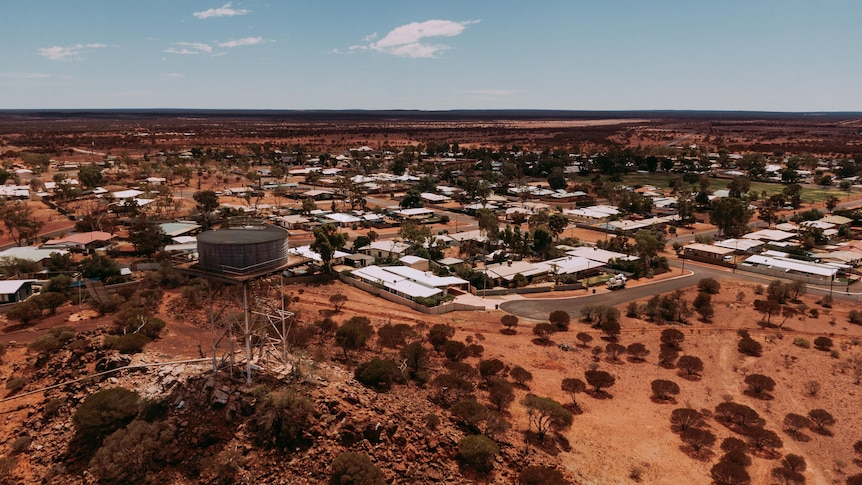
[131,343]
[51,407]
[15,384]
[855,317]
[351,468]
[104,412]
[129,453]
[377,373]
[541,475]
[21,444]
[478,452]
[802,342]
[45,344]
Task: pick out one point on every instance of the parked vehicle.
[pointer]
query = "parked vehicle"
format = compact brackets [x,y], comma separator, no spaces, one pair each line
[617,282]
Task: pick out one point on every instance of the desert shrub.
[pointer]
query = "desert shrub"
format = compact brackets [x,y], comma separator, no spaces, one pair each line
[501,394]
[793,422]
[811,387]
[728,473]
[788,476]
[667,356]
[350,468]
[509,321]
[129,453]
[544,331]
[21,444]
[470,413]
[141,323]
[15,384]
[731,444]
[794,462]
[823,343]
[24,312]
[749,346]
[599,379]
[664,389]
[738,456]
[104,412]
[559,319]
[478,452]
[801,342]
[759,384]
[821,419]
[673,338]
[45,344]
[439,334]
[353,334]
[763,439]
[709,285]
[416,357]
[682,419]
[490,368]
[738,414]
[545,414]
[51,407]
[281,419]
[706,312]
[855,317]
[584,338]
[572,386]
[637,351]
[377,373]
[520,375]
[698,439]
[455,350]
[690,365]
[131,343]
[541,475]
[432,421]
[633,310]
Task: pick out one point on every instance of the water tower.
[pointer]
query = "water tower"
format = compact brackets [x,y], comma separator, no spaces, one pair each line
[242,263]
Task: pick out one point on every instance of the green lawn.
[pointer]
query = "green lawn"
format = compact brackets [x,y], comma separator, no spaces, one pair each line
[810,195]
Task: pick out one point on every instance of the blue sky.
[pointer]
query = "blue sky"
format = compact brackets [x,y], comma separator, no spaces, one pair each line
[776,55]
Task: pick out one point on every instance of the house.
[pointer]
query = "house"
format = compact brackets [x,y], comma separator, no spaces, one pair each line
[416,213]
[415,262]
[739,246]
[342,220]
[598,255]
[30,253]
[358,260]
[791,268]
[13,291]
[770,235]
[85,242]
[307,252]
[293,221]
[502,274]
[174,229]
[708,253]
[386,250]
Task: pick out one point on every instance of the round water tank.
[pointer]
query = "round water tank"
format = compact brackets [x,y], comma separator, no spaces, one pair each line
[243,250]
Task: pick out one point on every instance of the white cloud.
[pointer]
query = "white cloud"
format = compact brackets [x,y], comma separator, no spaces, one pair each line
[189,48]
[24,75]
[223,11]
[172,75]
[409,40]
[68,53]
[242,42]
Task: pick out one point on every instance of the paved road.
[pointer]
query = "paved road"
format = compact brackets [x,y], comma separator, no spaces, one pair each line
[539,308]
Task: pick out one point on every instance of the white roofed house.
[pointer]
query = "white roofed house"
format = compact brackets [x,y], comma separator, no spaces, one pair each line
[386,250]
[29,253]
[342,220]
[13,291]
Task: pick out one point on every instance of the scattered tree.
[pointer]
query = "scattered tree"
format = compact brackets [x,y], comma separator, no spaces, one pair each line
[672,338]
[794,423]
[599,379]
[559,319]
[544,332]
[521,375]
[572,386]
[637,352]
[510,322]
[698,439]
[690,365]
[709,286]
[759,384]
[663,389]
[682,419]
[821,419]
[584,338]
[338,300]
[545,414]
